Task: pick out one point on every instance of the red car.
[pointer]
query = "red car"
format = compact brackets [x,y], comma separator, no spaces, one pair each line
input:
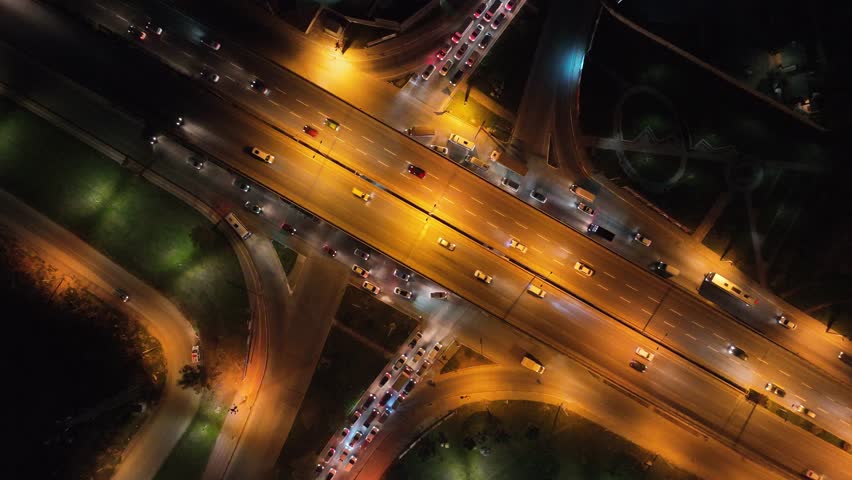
[329,251]
[481,8]
[511,4]
[416,171]
[310,130]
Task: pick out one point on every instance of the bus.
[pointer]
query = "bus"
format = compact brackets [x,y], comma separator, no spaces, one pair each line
[237,225]
[730,288]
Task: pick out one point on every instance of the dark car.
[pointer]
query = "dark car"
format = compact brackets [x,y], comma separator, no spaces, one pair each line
[371,418]
[209,75]
[369,401]
[344,432]
[387,413]
[385,378]
[845,358]
[288,229]
[310,130]
[774,388]
[136,33]
[638,366]
[362,254]
[481,8]
[401,274]
[416,171]
[417,337]
[329,251]
[456,78]
[211,43]
[409,386]
[330,453]
[355,438]
[196,163]
[737,352]
[386,398]
[538,196]
[153,28]
[355,416]
[258,86]
[124,296]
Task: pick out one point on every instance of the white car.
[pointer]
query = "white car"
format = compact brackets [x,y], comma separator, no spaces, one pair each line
[812,475]
[583,269]
[804,410]
[585,209]
[642,239]
[446,244]
[370,287]
[644,353]
[537,291]
[785,322]
[440,149]
[196,354]
[481,276]
[518,245]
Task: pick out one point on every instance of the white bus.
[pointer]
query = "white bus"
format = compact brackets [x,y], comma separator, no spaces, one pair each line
[730,288]
[237,225]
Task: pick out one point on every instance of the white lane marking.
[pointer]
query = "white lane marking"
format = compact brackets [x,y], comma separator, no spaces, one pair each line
[121,18]
[282,91]
[536,250]
[495,226]
[783,372]
[322,114]
[303,103]
[609,274]
[808,386]
[434,176]
[521,225]
[295,114]
[824,411]
[235,65]
[385,149]
[557,261]
[476,200]
[631,287]
[367,139]
[669,324]
[346,127]
[566,251]
[598,284]
[229,78]
[718,336]
[698,324]
[497,212]
[339,139]
[624,299]
[676,312]
[274,103]
[763,361]
[690,336]
[646,311]
[186,53]
[98,4]
[846,423]
[362,152]
[543,237]
[653,299]
[383,163]
[712,348]
[427,188]
[457,189]
[468,211]
[800,398]
[448,200]
[830,399]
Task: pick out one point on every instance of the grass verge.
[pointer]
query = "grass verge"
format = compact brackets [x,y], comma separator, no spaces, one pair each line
[465,358]
[796,419]
[375,320]
[189,457]
[286,255]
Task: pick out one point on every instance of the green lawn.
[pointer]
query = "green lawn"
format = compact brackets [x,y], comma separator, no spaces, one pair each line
[375,320]
[520,439]
[344,369]
[189,457]
[286,255]
[151,233]
[796,419]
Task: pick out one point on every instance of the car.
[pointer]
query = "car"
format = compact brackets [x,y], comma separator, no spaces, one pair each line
[345,453]
[332,124]
[845,358]
[360,271]
[385,379]
[448,65]
[154,138]
[331,473]
[583,269]
[737,352]
[211,43]
[329,454]
[495,155]
[536,291]
[367,423]
[456,78]
[427,72]
[585,209]
[401,274]
[386,397]
[400,362]
[774,388]
[511,5]
[258,86]
[362,254]
[261,155]
[399,399]
[642,239]
[440,149]
[498,21]
[368,401]
[329,251]
[486,40]
[419,354]
[344,432]
[804,410]
[179,121]
[456,37]
[423,367]
[209,75]
[408,370]
[443,51]
[518,245]
[417,337]
[253,208]
[644,353]
[409,386]
[195,354]
[355,416]
[461,51]
[481,8]
[406,294]
[439,295]
[155,29]
[476,162]
[474,34]
[361,194]
[638,366]
[370,436]
[384,416]
[538,196]
[319,468]
[196,163]
[288,229]
[136,33]
[416,171]
[812,475]
[446,244]
[785,322]
[351,463]
[510,184]
[471,59]
[371,287]
[310,130]
[244,186]
[481,276]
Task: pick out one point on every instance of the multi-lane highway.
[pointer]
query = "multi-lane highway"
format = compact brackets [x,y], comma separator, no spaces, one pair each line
[408,233]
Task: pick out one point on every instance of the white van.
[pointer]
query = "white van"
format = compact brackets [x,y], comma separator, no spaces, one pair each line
[238,226]
[532,363]
[462,142]
[582,193]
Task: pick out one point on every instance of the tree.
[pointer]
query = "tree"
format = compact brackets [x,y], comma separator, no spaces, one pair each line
[195,377]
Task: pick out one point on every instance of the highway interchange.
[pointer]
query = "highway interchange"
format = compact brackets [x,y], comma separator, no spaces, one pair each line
[407,215]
